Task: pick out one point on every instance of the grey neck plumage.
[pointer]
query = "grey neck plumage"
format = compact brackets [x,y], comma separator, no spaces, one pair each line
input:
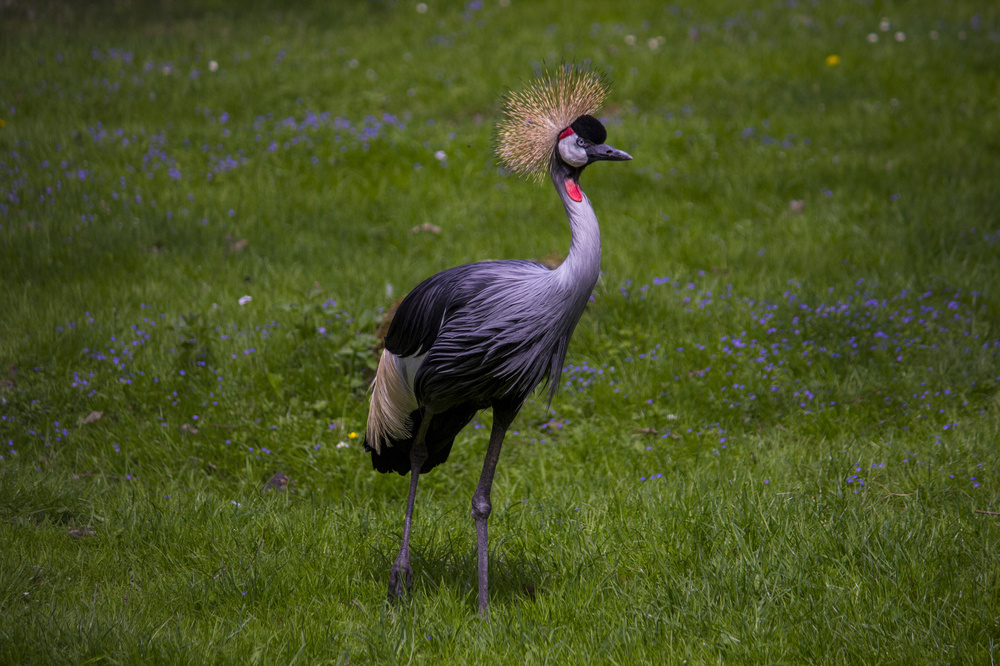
[582,266]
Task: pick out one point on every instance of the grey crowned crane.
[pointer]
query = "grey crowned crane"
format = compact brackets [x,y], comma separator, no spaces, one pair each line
[487,334]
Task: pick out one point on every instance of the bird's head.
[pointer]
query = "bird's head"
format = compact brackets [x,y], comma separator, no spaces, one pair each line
[580,144]
[548,126]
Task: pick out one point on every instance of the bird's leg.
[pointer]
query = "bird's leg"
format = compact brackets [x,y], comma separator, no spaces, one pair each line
[401,573]
[481,507]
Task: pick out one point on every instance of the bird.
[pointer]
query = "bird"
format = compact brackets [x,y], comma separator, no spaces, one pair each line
[487,334]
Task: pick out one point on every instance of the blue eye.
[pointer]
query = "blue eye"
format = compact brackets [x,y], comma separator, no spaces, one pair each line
[580,141]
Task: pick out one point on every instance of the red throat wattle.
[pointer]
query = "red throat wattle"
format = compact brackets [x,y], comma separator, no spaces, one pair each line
[574,191]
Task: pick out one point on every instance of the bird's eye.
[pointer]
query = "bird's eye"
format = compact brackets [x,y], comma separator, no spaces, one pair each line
[580,141]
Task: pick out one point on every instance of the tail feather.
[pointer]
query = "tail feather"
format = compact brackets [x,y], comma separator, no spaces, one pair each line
[392,404]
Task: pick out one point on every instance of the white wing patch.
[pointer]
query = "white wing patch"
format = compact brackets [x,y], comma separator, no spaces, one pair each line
[392,399]
[409,366]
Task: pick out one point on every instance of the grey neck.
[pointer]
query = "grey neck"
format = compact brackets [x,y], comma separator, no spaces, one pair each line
[583,264]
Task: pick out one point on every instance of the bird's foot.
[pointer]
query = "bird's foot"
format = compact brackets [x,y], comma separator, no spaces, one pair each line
[400,578]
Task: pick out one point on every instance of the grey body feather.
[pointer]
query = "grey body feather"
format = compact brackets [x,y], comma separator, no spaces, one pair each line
[489,330]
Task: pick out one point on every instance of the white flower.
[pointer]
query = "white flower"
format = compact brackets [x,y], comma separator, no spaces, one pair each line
[872,38]
[900,36]
[245,299]
[884,25]
[342,445]
[213,66]
[440,156]
[421,7]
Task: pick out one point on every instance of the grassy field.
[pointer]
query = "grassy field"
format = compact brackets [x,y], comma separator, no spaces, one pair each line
[776,441]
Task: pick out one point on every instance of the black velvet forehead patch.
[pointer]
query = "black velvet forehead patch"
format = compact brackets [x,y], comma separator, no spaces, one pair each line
[590,128]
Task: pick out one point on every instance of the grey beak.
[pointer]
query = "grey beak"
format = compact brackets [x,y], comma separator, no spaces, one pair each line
[604,152]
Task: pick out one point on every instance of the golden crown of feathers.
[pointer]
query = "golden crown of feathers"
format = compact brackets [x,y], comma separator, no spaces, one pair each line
[535,115]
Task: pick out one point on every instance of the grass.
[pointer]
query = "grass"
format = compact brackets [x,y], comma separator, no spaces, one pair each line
[776,439]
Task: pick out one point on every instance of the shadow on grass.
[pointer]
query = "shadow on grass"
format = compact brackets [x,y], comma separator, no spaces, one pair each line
[513,576]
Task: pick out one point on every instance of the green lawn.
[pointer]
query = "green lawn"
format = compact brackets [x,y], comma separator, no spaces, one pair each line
[776,439]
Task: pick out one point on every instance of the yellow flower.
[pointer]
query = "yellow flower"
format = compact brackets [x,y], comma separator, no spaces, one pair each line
[2,123]
[833,60]
[352,435]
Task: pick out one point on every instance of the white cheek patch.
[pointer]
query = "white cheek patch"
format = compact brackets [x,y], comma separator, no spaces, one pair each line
[571,153]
